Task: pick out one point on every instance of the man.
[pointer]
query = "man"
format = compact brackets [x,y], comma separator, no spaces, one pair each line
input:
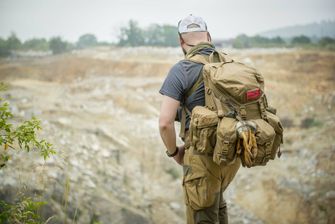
[204,181]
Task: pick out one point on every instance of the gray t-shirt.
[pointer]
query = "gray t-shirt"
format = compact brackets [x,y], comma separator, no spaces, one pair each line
[180,79]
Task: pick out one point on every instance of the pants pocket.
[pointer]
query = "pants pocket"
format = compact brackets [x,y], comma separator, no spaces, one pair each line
[201,191]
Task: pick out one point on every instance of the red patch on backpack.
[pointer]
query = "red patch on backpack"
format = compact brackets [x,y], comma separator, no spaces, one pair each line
[253,94]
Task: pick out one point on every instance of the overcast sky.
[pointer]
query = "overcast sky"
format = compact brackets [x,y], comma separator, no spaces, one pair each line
[225,18]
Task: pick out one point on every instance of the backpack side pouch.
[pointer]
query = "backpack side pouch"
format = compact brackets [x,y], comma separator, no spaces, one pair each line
[265,136]
[274,121]
[203,129]
[225,148]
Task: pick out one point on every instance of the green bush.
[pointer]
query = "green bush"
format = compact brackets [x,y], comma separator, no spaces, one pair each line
[57,45]
[310,122]
[24,210]
[87,40]
[287,122]
[24,135]
[327,43]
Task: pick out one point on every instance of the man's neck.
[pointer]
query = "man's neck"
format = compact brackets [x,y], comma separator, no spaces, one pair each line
[188,48]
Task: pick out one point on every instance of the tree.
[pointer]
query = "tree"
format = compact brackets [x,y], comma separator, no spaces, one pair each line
[4,49]
[165,35]
[38,44]
[87,40]
[300,40]
[154,35]
[170,34]
[241,41]
[131,35]
[278,41]
[57,45]
[13,42]
[326,41]
[6,46]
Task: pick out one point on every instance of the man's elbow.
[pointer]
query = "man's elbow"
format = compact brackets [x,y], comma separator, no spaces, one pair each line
[165,124]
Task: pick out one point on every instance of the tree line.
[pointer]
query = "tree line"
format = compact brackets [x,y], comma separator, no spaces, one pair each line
[244,41]
[55,44]
[132,35]
[154,35]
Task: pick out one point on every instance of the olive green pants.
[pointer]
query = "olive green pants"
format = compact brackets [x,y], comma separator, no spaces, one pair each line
[204,182]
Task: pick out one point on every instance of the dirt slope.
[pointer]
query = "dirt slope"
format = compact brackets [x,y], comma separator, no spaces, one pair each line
[100,108]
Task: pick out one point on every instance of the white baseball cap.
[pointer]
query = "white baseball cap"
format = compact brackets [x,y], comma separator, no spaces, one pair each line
[192,24]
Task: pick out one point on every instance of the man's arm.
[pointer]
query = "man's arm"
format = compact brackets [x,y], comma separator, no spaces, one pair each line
[166,126]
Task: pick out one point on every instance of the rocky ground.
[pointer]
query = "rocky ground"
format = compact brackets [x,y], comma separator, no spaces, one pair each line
[100,107]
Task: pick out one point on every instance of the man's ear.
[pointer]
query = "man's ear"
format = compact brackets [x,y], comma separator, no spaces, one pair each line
[209,38]
[181,40]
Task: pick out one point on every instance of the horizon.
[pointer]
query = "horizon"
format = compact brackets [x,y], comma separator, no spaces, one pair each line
[115,41]
[70,20]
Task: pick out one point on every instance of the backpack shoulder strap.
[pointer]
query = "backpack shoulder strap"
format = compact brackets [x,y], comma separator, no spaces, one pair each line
[215,56]
[184,110]
[198,59]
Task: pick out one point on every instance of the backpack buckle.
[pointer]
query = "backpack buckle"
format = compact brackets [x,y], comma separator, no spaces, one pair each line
[243,113]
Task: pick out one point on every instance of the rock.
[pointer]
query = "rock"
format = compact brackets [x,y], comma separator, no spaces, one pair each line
[64,121]
[175,206]
[330,194]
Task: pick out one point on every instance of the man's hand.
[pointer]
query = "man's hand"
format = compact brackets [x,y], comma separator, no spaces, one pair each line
[179,158]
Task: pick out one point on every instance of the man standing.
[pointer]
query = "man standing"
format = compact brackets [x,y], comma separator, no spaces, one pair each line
[204,181]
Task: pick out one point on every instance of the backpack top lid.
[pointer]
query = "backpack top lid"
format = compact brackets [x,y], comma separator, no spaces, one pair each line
[241,83]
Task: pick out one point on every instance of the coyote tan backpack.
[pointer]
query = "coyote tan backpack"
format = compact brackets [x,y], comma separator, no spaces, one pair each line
[236,120]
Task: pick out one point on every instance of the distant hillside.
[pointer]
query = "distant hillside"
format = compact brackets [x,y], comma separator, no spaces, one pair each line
[323,29]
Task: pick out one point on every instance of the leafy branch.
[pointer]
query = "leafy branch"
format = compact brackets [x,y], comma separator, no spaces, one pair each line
[25,210]
[23,136]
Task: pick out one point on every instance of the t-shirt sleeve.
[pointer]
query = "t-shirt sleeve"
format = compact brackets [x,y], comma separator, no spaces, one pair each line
[175,83]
